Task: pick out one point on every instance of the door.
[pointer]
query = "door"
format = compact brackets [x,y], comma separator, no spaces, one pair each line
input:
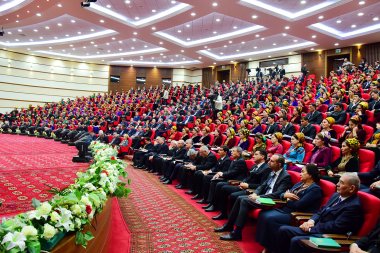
[223,75]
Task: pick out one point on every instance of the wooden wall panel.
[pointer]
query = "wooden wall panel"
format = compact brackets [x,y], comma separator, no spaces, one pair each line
[315,62]
[207,77]
[128,76]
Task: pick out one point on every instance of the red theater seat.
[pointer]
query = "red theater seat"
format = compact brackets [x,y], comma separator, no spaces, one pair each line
[370,206]
[367,160]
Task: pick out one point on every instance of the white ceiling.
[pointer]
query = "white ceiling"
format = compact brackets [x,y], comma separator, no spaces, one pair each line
[187,33]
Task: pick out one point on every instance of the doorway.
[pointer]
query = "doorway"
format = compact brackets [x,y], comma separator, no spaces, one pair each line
[335,61]
[223,75]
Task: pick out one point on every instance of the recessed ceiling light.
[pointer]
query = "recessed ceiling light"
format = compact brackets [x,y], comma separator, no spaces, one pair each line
[182,51]
[214,63]
[35,30]
[237,50]
[153,11]
[59,24]
[205,46]
[137,18]
[254,16]
[92,30]
[19,30]
[59,5]
[255,47]
[312,48]
[108,6]
[113,38]
[225,46]
[161,54]
[193,14]
[134,33]
[153,28]
[101,21]
[284,34]
[262,38]
[269,56]
[303,2]
[362,2]
[179,31]
[295,40]
[257,35]
[339,21]
[336,44]
[221,53]
[353,26]
[375,19]
[321,17]
[173,2]
[161,43]
[72,21]
[230,41]
[217,20]
[287,27]
[314,36]
[127,2]
[187,25]
[133,39]
[199,57]
[360,14]
[274,44]
[235,27]
[188,39]
[214,4]
[214,32]
[92,42]
[39,14]
[243,42]
[47,28]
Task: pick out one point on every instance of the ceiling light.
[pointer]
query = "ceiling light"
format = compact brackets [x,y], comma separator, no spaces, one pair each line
[362,2]
[38,14]
[375,19]
[19,30]
[193,14]
[235,27]
[35,30]
[287,27]
[59,5]
[257,35]
[262,38]
[269,56]
[217,20]
[225,46]
[214,4]
[137,18]
[274,44]
[214,63]
[161,43]
[133,39]
[154,28]
[101,21]
[127,2]
[255,47]
[182,51]
[72,21]
[199,57]
[47,28]
[295,40]
[314,36]
[353,26]
[303,2]
[108,6]
[205,46]
[59,24]
[284,34]
[312,48]
[134,33]
[221,53]
[214,32]
[179,31]
[254,16]
[187,25]
[230,41]
[336,44]
[188,39]
[237,50]
[321,17]
[360,14]
[339,21]
[173,2]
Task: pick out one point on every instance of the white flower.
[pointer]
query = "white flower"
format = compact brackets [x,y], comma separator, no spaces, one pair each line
[76,209]
[44,209]
[55,217]
[49,231]
[29,231]
[65,220]
[90,187]
[85,200]
[15,239]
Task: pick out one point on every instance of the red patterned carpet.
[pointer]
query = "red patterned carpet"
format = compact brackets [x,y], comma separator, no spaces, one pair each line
[161,220]
[29,166]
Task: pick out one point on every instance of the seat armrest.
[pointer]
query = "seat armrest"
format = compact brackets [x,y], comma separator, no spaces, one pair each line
[301,214]
[341,237]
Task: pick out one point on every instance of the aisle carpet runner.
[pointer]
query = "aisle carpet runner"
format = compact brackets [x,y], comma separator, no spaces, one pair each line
[29,167]
[162,221]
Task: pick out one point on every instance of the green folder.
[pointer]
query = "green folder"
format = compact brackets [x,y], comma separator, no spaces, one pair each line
[266,201]
[324,242]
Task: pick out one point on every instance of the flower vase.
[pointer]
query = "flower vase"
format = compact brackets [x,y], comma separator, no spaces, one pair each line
[48,245]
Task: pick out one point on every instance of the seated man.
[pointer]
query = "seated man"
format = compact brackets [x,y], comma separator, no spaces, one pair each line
[307,129]
[369,243]
[342,214]
[83,143]
[276,183]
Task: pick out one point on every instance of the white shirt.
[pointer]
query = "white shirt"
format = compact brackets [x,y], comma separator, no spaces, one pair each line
[277,173]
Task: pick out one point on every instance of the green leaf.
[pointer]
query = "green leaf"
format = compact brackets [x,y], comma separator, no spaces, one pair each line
[35,203]
[79,239]
[88,236]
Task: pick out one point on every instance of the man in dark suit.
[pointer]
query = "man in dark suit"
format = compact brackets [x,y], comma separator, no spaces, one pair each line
[276,183]
[342,214]
[375,104]
[160,148]
[225,191]
[272,126]
[208,161]
[307,129]
[202,178]
[369,243]
[287,127]
[338,114]
[314,116]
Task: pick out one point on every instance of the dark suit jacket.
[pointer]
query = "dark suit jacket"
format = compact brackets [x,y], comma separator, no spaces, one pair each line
[310,199]
[308,131]
[344,217]
[271,129]
[257,176]
[207,162]
[180,153]
[340,117]
[237,170]
[282,184]
[315,117]
[370,242]
[222,165]
[289,129]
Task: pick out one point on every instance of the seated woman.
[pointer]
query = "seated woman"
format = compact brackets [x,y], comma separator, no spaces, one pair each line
[256,125]
[259,142]
[326,129]
[122,148]
[321,153]
[196,135]
[205,136]
[173,134]
[218,139]
[375,139]
[304,196]
[231,140]
[296,117]
[360,111]
[354,130]
[296,152]
[276,147]
[348,162]
[185,133]
[244,142]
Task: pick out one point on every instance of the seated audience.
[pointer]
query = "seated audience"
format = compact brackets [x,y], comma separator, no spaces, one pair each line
[296,152]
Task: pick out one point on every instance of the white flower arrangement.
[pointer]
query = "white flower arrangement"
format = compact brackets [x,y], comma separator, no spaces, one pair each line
[70,209]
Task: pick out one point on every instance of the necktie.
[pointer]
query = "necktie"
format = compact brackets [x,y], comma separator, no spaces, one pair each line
[254,168]
[269,183]
[337,202]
